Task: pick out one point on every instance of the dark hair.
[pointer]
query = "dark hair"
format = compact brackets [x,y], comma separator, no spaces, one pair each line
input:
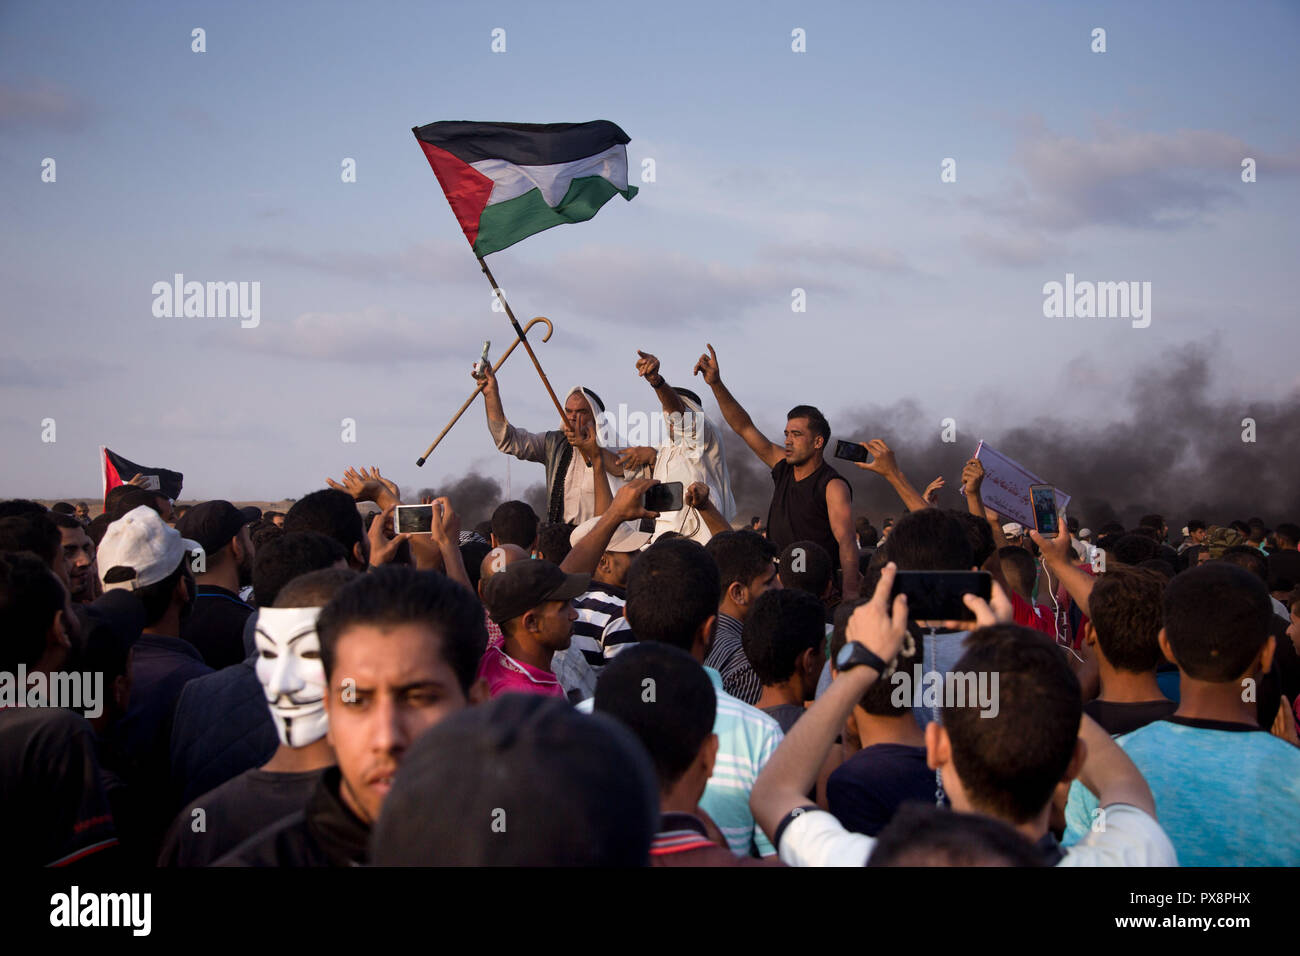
[157,597]
[553,541]
[395,594]
[1287,532]
[1134,549]
[879,697]
[1248,557]
[782,625]
[32,532]
[1126,613]
[98,527]
[1019,564]
[515,522]
[131,499]
[1111,527]
[21,506]
[263,533]
[63,520]
[1146,531]
[921,834]
[30,596]
[978,535]
[676,719]
[929,540]
[329,512]
[1160,566]
[672,588]
[1216,620]
[1196,524]
[868,536]
[315,588]
[62,508]
[1010,763]
[815,571]
[1153,521]
[289,555]
[1072,525]
[740,556]
[817,423]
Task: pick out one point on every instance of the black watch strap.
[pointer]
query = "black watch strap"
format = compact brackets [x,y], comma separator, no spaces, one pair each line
[859,655]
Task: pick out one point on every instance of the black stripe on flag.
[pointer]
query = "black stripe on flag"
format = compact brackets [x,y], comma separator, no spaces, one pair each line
[524,144]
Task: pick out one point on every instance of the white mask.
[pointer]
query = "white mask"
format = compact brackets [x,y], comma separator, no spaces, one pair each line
[291,672]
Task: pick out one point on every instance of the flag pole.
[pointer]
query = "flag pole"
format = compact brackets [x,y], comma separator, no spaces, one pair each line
[523,338]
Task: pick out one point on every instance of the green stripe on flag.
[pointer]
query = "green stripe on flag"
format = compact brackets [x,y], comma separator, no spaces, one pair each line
[505,223]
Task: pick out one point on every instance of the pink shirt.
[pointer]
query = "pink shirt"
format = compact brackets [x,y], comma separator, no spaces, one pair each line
[505,675]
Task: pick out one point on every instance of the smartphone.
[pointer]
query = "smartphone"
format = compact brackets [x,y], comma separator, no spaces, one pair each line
[413,519]
[937,595]
[663,497]
[851,451]
[1042,500]
[152,483]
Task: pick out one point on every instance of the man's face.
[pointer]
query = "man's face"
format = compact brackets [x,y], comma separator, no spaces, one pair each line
[292,676]
[555,624]
[1199,535]
[388,687]
[79,558]
[614,566]
[578,411]
[800,445]
[769,580]
[82,512]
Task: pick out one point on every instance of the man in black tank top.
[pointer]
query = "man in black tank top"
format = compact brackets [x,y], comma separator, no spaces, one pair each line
[811,500]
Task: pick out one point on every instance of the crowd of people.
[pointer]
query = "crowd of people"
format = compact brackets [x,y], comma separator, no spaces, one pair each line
[610,685]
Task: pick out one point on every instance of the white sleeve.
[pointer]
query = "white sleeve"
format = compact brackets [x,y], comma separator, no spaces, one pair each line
[1127,836]
[816,838]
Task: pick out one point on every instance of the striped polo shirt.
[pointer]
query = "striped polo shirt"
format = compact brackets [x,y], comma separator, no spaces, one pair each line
[596,608]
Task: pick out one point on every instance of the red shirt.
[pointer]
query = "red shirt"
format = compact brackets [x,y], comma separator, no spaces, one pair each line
[505,675]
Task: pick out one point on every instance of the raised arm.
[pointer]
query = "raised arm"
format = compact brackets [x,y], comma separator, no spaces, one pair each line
[1058,556]
[647,366]
[736,417]
[626,506]
[697,497]
[524,445]
[839,509]
[1109,772]
[585,442]
[783,784]
[885,465]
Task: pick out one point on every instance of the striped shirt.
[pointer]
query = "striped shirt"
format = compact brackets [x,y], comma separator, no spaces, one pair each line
[747,737]
[596,608]
[727,656]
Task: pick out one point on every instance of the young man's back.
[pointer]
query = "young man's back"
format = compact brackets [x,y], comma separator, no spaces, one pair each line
[1227,794]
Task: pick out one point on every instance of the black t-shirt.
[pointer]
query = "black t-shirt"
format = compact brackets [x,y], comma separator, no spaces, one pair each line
[233,812]
[798,509]
[324,833]
[785,715]
[53,809]
[1123,718]
[216,626]
[1284,570]
[865,791]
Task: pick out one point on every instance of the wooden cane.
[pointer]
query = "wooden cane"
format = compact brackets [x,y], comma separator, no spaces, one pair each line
[501,361]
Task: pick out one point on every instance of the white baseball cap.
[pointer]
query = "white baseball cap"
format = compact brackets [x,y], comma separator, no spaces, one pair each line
[141,541]
[628,536]
[1012,530]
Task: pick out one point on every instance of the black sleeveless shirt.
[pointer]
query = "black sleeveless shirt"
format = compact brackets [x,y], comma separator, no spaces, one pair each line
[798,509]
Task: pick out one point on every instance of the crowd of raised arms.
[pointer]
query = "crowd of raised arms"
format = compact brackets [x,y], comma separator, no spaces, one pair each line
[603,684]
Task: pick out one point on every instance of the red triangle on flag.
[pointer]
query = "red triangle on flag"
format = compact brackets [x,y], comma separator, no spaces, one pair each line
[467,189]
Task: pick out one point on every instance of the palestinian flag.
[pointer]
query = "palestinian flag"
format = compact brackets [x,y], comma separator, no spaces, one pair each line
[506,181]
[118,471]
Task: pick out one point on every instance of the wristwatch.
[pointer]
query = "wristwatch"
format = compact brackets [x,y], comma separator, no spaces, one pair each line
[853,654]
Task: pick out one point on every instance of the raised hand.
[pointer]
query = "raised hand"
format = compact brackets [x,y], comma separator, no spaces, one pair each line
[627,502]
[638,456]
[696,496]
[488,379]
[708,367]
[931,493]
[647,366]
[972,476]
[879,624]
[444,523]
[883,461]
[584,441]
[1055,551]
[382,547]
[367,486]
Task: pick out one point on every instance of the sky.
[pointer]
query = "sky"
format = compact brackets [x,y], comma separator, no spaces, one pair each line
[774,170]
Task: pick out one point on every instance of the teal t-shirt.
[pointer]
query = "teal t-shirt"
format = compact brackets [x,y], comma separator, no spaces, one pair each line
[1226,794]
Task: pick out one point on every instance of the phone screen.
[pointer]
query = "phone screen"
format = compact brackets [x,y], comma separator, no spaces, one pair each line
[664,497]
[851,451]
[1043,500]
[937,595]
[413,519]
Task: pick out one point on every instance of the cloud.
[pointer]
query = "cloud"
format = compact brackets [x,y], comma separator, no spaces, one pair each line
[1019,249]
[43,106]
[374,335]
[438,260]
[1124,177]
[868,258]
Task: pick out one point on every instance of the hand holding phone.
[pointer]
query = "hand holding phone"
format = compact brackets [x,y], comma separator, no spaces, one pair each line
[851,451]
[940,595]
[1042,501]
[663,497]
